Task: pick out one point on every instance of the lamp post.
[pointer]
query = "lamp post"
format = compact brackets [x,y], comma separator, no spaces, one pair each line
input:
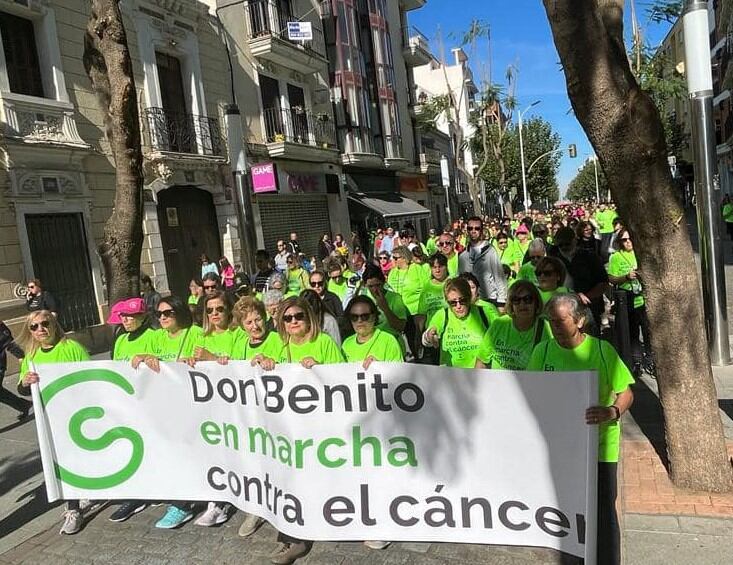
[527,201]
[595,168]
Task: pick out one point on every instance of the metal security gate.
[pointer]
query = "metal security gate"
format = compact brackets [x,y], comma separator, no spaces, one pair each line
[305,215]
[60,259]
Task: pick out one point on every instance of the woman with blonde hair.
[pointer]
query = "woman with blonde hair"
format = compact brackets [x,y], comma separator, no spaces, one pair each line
[44,342]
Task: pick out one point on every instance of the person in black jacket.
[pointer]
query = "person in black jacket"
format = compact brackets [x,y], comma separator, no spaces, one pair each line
[6,397]
[39,299]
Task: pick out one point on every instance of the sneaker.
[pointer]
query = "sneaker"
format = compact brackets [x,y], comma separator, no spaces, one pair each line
[377,544]
[173,518]
[216,513]
[72,522]
[26,413]
[250,525]
[289,553]
[127,510]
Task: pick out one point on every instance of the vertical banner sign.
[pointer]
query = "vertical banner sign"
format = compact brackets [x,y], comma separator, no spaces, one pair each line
[264,178]
[399,452]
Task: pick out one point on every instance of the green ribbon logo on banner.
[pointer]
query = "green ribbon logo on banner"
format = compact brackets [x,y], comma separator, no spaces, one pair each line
[100,443]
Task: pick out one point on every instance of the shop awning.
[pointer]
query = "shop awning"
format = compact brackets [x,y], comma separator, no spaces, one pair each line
[390,205]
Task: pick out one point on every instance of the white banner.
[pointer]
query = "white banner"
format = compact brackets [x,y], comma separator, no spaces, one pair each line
[399,452]
[300,31]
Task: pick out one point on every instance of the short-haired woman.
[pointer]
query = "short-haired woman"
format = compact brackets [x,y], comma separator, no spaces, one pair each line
[508,343]
[44,342]
[573,350]
[368,343]
[551,275]
[458,329]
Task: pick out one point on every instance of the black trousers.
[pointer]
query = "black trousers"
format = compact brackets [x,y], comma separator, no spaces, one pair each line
[638,320]
[15,402]
[609,533]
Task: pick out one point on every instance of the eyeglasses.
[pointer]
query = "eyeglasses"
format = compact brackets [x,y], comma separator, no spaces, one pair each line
[218,310]
[458,302]
[317,284]
[474,228]
[526,299]
[298,317]
[545,273]
[445,243]
[165,314]
[360,317]
[396,257]
[383,258]
[620,239]
[43,323]
[209,287]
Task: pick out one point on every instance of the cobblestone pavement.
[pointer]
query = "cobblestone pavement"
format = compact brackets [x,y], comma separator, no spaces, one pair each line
[138,542]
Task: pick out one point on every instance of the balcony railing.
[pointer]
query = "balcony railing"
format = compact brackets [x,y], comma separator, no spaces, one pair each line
[269,18]
[297,125]
[184,133]
[430,156]
[392,147]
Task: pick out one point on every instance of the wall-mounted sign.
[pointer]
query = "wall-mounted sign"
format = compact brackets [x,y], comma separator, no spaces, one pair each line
[171,215]
[413,184]
[264,178]
[300,31]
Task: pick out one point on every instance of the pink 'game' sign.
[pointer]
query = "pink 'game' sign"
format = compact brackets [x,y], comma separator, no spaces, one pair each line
[264,178]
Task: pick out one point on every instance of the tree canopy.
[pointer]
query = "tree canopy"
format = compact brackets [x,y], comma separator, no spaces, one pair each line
[583,186]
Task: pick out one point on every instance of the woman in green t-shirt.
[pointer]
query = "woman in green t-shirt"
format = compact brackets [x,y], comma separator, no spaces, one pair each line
[406,278]
[261,344]
[621,269]
[432,297]
[510,339]
[456,331]
[297,275]
[551,274]
[303,340]
[218,338]
[368,343]
[132,315]
[492,312]
[572,350]
[43,340]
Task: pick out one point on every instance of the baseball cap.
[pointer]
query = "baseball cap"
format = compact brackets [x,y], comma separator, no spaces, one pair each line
[127,306]
[522,229]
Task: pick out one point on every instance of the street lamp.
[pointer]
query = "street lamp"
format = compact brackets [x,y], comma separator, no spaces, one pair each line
[527,201]
[598,190]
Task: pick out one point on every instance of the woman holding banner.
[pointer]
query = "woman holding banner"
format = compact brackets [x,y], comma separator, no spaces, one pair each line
[304,343]
[43,341]
[508,343]
[573,350]
[457,331]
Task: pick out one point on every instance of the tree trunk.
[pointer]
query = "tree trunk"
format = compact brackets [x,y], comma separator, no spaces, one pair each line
[627,134]
[109,67]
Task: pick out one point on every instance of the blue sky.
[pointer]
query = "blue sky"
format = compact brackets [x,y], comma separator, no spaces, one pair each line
[520,36]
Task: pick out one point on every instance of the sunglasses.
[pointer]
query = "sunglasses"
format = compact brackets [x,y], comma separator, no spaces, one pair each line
[209,287]
[620,239]
[383,258]
[474,228]
[459,302]
[43,323]
[317,283]
[545,273]
[445,243]
[165,314]
[360,317]
[298,317]
[527,299]
[218,310]
[395,257]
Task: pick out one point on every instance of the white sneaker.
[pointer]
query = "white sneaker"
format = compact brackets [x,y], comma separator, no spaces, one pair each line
[72,522]
[377,544]
[250,525]
[216,513]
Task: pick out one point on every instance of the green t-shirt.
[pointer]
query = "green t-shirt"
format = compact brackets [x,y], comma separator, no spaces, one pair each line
[547,294]
[408,283]
[460,339]
[65,351]
[193,300]
[167,348]
[222,344]
[339,288]
[271,347]
[395,303]
[507,256]
[491,311]
[728,212]
[453,266]
[527,273]
[297,281]
[323,349]
[125,350]
[383,346]
[432,299]
[621,264]
[505,347]
[605,220]
[520,249]
[432,245]
[613,378]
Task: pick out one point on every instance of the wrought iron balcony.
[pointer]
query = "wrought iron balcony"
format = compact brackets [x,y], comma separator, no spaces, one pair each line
[429,159]
[298,125]
[176,132]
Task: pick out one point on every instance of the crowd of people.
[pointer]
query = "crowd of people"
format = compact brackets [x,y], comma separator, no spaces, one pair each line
[529,292]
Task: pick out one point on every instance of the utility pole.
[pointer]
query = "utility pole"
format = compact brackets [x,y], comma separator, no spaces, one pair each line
[698,72]
[595,168]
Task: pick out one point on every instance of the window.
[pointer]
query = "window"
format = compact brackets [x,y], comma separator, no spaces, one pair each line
[21,57]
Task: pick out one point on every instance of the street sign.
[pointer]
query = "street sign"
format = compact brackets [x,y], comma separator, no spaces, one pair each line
[300,31]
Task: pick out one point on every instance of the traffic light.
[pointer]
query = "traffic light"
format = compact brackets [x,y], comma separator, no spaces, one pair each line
[572,151]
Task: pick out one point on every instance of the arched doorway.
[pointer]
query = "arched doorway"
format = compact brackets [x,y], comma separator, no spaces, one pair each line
[188,228]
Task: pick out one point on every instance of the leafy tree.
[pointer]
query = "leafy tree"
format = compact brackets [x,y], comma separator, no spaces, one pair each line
[539,140]
[108,64]
[624,126]
[583,186]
